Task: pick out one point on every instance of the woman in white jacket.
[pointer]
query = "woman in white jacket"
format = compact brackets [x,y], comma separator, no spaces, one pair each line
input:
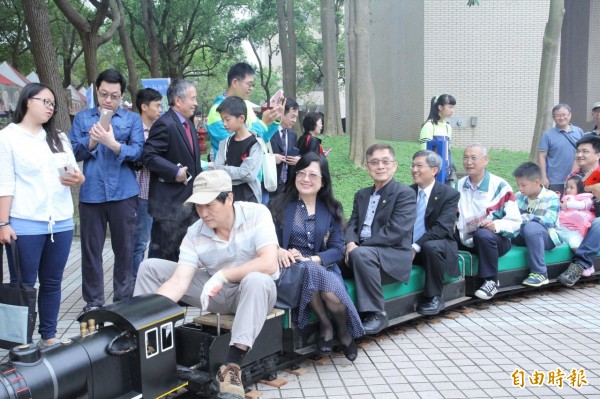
[36,209]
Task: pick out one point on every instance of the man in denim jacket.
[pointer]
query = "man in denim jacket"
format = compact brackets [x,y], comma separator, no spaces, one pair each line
[109,194]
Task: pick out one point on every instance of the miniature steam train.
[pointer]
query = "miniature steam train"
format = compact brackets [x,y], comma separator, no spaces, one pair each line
[138,351]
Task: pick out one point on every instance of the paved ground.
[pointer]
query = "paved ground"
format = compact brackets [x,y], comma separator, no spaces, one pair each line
[487,353]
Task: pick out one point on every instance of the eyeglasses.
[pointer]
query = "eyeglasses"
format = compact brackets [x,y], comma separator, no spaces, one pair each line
[303,175]
[585,152]
[113,96]
[562,116]
[418,166]
[47,103]
[249,84]
[384,162]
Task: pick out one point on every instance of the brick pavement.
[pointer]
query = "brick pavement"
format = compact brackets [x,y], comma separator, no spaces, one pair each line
[472,356]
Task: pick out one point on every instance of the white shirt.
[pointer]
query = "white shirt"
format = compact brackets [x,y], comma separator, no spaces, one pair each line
[253,229]
[29,173]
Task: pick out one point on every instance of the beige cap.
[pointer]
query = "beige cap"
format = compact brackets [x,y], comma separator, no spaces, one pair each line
[596,105]
[208,185]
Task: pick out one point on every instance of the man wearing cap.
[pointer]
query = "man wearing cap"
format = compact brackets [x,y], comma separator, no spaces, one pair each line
[595,118]
[227,265]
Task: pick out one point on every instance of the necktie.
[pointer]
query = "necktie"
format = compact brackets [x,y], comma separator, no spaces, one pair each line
[284,167]
[419,228]
[188,133]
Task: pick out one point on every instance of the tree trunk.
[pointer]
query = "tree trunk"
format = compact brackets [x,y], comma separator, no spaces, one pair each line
[333,118]
[125,43]
[288,45]
[44,56]
[148,23]
[37,18]
[360,123]
[543,120]
[88,31]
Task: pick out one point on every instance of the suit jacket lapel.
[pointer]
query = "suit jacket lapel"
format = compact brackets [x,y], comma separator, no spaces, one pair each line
[288,221]
[433,199]
[322,219]
[181,131]
[390,189]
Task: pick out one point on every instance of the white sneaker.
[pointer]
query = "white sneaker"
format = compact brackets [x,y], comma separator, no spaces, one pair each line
[487,290]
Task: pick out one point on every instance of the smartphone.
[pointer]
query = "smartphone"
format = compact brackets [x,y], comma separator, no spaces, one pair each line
[294,152]
[276,99]
[188,174]
[62,171]
[105,117]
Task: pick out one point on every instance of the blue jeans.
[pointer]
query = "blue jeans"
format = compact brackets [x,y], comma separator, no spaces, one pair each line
[589,247]
[41,258]
[141,235]
[536,238]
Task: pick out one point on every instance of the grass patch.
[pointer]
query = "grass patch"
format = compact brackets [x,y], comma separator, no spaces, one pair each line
[348,179]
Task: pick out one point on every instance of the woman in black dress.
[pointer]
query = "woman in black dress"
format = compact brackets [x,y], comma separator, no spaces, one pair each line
[308,142]
[309,226]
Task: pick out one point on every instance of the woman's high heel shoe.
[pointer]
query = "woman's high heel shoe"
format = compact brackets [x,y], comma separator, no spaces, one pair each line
[350,351]
[325,347]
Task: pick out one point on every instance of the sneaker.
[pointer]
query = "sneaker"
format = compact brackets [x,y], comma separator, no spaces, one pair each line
[570,276]
[536,280]
[487,290]
[228,382]
[588,272]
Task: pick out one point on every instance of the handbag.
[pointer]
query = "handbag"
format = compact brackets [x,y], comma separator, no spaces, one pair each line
[17,307]
[269,166]
[289,286]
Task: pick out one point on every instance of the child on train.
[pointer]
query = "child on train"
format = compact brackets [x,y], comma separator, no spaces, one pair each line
[539,210]
[575,216]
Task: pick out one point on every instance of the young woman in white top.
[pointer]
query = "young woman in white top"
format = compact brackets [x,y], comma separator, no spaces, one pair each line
[36,208]
[435,128]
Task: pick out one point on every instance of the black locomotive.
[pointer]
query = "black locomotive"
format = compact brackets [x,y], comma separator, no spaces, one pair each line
[134,349]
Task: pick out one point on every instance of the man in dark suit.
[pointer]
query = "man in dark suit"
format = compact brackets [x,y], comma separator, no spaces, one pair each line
[379,236]
[434,246]
[283,142]
[172,155]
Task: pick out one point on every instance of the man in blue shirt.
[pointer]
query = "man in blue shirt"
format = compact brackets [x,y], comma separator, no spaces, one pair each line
[557,149]
[110,192]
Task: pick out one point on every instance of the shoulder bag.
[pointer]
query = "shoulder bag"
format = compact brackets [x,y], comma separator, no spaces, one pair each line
[269,166]
[17,307]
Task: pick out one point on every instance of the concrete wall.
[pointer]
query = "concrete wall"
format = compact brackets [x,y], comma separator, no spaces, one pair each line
[488,57]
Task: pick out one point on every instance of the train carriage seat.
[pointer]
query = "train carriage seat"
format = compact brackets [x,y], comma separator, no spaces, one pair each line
[516,258]
[398,289]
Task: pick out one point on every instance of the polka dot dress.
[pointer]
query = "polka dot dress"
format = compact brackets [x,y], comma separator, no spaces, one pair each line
[317,277]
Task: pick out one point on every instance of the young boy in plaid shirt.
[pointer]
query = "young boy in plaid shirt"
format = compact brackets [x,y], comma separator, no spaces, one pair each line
[539,208]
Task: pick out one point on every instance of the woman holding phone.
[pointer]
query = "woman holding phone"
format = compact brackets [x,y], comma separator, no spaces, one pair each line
[36,208]
[309,225]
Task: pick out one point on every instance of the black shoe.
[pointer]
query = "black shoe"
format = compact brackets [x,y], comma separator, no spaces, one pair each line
[375,322]
[432,307]
[350,351]
[325,347]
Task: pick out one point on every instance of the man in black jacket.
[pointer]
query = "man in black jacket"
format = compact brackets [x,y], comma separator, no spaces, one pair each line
[283,143]
[379,236]
[434,246]
[172,155]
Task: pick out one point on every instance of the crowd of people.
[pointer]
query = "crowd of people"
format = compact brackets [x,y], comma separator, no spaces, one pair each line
[213,243]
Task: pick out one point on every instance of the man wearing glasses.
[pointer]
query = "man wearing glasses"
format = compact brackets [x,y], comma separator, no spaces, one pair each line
[379,236]
[557,149]
[109,194]
[240,83]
